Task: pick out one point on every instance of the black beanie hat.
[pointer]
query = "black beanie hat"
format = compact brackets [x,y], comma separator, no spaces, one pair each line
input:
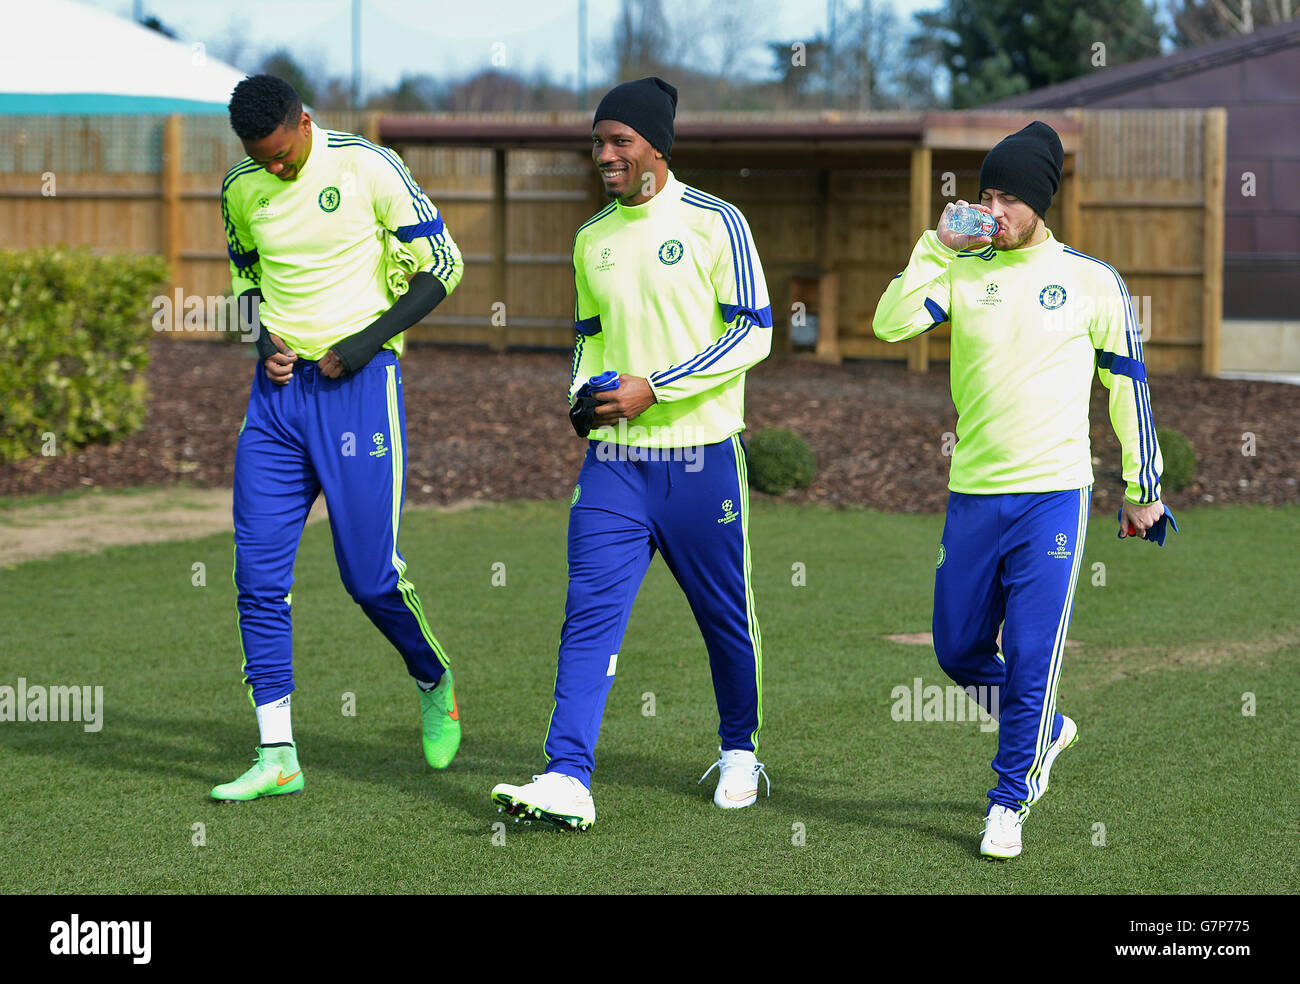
[1026,164]
[647,105]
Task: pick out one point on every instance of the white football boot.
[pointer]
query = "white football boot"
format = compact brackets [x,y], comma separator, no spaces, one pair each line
[1001,834]
[553,797]
[738,773]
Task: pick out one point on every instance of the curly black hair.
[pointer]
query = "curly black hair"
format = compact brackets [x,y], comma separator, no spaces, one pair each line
[261,104]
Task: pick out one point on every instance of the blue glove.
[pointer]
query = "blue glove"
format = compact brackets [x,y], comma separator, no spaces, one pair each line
[607,380]
[582,413]
[1156,533]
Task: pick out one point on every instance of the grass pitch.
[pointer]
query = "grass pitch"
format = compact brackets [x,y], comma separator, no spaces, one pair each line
[1171,788]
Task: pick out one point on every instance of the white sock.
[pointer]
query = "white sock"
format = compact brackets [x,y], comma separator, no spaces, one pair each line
[274,723]
[425,685]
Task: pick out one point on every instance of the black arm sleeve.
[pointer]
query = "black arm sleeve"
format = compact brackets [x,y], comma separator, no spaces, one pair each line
[426,293]
[251,322]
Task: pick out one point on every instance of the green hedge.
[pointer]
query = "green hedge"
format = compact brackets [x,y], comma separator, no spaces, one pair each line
[1179,457]
[74,344]
[779,460]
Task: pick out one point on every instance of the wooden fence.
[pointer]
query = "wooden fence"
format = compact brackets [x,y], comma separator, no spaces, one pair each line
[1143,191]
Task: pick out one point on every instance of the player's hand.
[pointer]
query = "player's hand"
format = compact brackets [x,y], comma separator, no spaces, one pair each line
[632,398]
[1138,519]
[279,367]
[330,366]
[953,240]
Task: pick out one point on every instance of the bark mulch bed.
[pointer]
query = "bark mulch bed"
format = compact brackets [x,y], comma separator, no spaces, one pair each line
[491,426]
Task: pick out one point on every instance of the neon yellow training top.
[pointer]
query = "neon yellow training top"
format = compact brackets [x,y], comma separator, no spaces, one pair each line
[671,290]
[1028,327]
[318,246]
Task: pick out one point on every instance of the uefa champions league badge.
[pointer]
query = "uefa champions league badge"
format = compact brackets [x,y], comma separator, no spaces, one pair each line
[1052,296]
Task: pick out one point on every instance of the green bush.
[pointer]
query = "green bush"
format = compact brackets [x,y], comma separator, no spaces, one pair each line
[74,344]
[779,460]
[1179,456]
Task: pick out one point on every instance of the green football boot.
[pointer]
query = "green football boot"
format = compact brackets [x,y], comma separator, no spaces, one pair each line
[440,717]
[276,773]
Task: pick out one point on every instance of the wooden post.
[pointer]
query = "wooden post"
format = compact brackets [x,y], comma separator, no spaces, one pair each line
[1216,133]
[499,243]
[1071,211]
[918,351]
[828,286]
[370,126]
[828,319]
[171,198]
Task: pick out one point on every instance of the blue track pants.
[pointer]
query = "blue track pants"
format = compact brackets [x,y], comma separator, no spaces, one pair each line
[347,438]
[1012,557]
[694,512]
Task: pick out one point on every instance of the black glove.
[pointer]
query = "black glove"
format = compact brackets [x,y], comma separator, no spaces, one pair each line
[583,412]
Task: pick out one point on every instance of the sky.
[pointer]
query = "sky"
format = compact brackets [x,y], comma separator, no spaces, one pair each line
[438,37]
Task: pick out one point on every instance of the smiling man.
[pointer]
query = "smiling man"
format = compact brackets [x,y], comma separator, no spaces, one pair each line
[671,301]
[323,230]
[1031,320]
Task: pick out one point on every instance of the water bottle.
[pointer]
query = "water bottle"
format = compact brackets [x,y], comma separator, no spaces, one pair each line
[966,220]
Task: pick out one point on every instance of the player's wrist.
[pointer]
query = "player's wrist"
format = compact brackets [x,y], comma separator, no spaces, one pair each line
[1138,503]
[943,248]
[354,353]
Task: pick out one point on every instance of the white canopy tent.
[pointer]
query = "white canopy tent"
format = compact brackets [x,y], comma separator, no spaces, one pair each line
[61,57]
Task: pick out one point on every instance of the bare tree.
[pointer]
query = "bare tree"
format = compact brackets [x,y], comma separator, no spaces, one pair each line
[1198,21]
[643,39]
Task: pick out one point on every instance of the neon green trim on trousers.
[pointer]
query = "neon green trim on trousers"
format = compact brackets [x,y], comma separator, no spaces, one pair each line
[407,589]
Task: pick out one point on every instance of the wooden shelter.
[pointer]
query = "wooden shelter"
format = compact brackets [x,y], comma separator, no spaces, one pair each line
[835,202]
